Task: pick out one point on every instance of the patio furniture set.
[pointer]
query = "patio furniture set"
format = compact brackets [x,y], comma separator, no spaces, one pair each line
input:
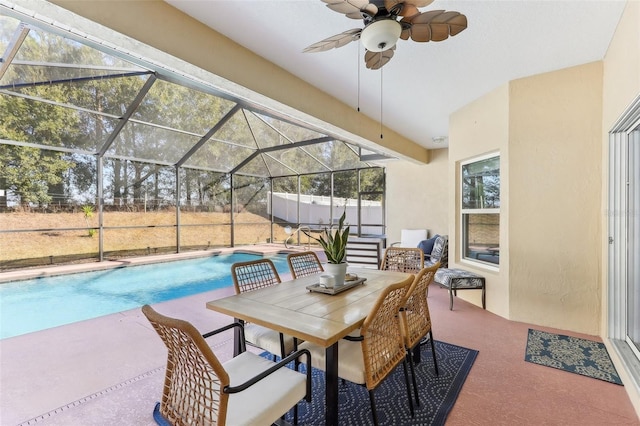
[360,335]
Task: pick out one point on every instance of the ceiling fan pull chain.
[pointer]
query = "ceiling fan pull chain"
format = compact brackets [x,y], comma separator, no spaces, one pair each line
[358,65]
[381,103]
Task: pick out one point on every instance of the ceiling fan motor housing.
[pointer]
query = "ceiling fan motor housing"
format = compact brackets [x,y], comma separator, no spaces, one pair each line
[381,35]
[385,22]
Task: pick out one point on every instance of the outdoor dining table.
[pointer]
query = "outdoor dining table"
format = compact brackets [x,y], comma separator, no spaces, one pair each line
[315,317]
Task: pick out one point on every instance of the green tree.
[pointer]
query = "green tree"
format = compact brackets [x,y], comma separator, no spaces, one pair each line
[36,176]
[29,172]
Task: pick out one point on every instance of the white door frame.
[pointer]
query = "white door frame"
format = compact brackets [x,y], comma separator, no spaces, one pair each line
[624,131]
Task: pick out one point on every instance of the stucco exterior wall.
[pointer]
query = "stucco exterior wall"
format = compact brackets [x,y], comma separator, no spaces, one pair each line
[546,129]
[552,133]
[621,78]
[479,128]
[417,196]
[554,199]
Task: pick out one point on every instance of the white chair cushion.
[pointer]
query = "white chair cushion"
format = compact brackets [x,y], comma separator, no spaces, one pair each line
[267,339]
[267,400]
[350,360]
[412,237]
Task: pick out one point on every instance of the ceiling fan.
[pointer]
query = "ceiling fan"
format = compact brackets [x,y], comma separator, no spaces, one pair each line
[383,28]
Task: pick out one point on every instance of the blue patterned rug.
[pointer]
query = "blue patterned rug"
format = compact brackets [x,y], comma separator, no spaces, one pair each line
[438,394]
[572,354]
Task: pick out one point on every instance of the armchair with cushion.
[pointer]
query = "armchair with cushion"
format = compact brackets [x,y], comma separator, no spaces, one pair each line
[199,390]
[437,253]
[410,237]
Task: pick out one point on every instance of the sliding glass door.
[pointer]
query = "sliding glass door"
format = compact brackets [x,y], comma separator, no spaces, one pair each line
[633,241]
[623,286]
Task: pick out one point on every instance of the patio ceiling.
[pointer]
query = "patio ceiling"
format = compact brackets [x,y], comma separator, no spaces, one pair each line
[424,82]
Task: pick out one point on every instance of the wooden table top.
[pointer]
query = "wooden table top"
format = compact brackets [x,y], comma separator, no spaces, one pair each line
[319,318]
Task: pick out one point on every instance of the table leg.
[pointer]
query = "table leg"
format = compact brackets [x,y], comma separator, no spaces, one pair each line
[237,340]
[331,385]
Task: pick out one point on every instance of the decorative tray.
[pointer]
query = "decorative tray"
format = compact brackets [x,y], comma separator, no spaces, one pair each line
[335,290]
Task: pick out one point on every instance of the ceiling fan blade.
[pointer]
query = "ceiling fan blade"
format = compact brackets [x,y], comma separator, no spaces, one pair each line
[335,41]
[457,24]
[408,8]
[419,3]
[418,27]
[435,25]
[353,9]
[376,60]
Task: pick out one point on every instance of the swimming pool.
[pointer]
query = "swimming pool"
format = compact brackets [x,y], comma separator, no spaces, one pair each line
[41,303]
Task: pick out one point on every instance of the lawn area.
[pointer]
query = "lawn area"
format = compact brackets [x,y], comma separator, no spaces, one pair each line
[143,231]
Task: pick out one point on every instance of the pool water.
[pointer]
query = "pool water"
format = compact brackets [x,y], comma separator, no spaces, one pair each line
[41,303]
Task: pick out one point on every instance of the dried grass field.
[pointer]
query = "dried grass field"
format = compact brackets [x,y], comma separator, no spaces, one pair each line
[66,234]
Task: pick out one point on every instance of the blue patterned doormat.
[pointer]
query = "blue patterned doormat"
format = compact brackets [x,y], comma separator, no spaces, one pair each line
[572,354]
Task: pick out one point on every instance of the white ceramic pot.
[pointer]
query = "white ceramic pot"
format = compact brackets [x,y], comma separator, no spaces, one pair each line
[339,271]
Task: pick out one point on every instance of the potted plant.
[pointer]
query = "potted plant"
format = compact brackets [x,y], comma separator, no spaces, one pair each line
[334,244]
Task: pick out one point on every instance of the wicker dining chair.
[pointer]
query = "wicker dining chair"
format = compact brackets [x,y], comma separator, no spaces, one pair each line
[304,263]
[369,358]
[415,320]
[403,259]
[199,390]
[253,275]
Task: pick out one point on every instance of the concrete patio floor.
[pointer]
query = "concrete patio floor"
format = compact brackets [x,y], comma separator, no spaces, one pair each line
[110,370]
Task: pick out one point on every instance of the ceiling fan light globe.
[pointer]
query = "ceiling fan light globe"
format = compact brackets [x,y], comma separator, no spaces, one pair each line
[381,35]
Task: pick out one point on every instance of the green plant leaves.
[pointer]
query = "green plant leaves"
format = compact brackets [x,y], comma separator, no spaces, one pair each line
[335,244]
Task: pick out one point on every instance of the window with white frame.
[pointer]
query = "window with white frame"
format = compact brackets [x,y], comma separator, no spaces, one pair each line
[480,204]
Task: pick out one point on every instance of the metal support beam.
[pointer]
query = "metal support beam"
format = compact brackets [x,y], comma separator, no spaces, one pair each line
[100,205]
[178,184]
[231,203]
[130,110]
[280,148]
[14,45]
[208,136]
